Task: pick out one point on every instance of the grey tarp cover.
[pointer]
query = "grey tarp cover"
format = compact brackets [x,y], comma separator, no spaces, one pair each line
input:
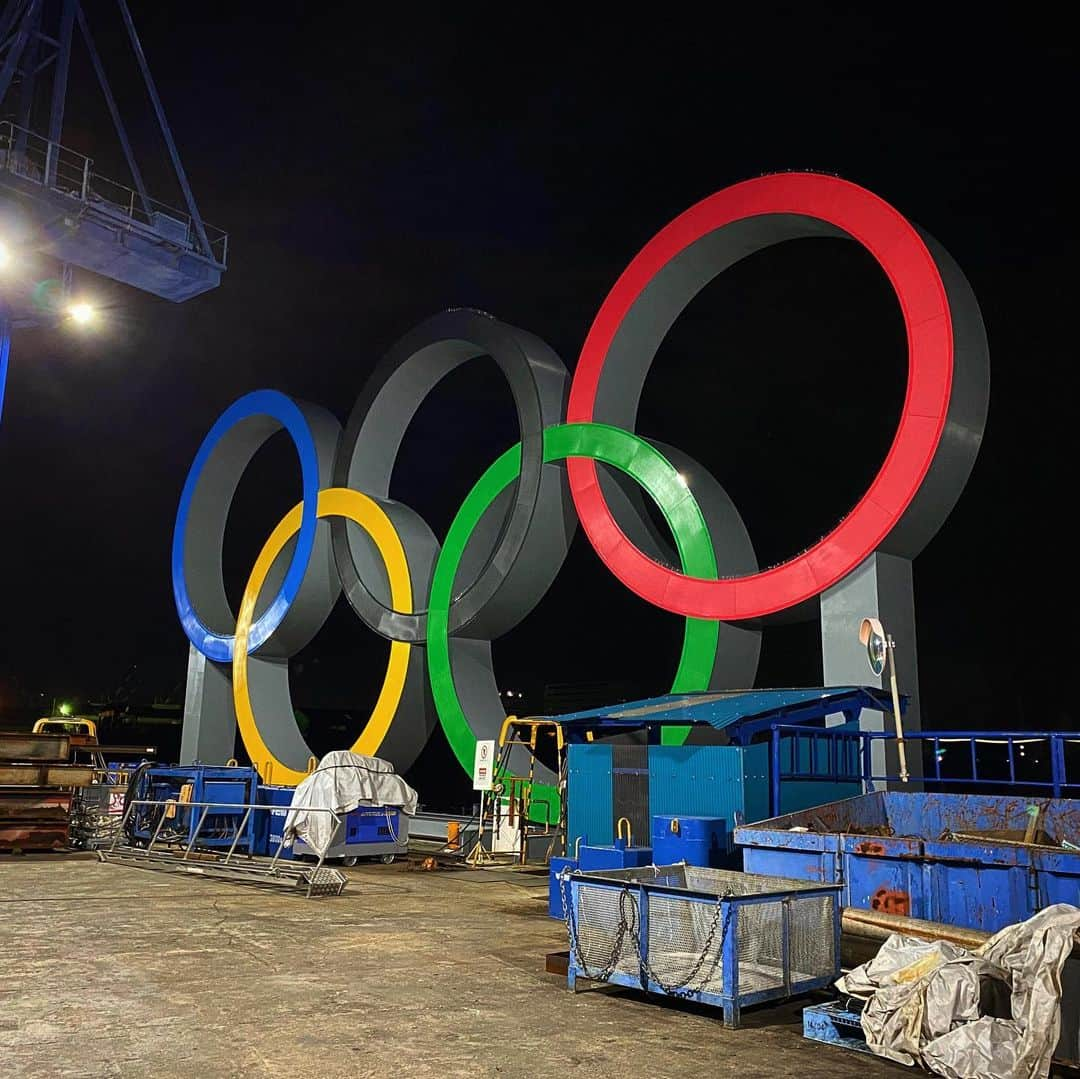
[923,1000]
[341,782]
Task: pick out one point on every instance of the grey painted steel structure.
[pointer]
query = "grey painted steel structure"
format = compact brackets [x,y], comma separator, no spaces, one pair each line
[523,538]
[509,563]
[882,586]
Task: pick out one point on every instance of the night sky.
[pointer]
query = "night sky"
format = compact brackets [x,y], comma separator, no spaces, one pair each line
[375,165]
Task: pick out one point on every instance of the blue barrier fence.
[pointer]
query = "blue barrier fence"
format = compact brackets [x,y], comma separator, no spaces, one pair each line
[1039,760]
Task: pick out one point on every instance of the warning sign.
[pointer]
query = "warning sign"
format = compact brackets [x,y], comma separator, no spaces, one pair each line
[484,765]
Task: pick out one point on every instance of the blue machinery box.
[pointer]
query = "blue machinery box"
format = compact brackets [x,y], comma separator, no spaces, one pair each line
[222,825]
[695,840]
[618,855]
[698,841]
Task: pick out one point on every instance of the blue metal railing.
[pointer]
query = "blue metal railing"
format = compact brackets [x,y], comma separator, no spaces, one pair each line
[847,756]
[34,158]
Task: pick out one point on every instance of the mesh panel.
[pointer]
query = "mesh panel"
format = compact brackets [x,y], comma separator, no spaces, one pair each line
[760,946]
[678,931]
[597,918]
[324,881]
[812,938]
[728,882]
[630,791]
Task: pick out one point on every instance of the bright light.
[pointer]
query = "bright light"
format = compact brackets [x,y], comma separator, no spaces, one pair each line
[5,256]
[81,313]
[65,709]
[682,479]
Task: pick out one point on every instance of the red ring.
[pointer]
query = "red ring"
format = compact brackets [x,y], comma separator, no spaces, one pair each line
[914,275]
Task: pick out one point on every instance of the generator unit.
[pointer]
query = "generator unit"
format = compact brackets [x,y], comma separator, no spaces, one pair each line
[366,832]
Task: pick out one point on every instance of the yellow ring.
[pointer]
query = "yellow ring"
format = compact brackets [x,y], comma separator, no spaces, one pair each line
[356,507]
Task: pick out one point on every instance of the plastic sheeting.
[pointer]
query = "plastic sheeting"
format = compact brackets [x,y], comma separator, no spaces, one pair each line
[994,1013]
[341,782]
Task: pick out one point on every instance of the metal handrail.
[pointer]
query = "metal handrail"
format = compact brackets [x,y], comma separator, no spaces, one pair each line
[33,157]
[849,757]
[206,807]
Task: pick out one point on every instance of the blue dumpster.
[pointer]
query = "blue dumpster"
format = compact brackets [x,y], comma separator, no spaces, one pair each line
[954,858]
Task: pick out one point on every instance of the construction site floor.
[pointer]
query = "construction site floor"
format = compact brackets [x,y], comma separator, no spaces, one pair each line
[113,971]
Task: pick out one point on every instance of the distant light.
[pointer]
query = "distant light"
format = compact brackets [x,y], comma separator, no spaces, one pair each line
[5,255]
[683,480]
[65,709]
[81,313]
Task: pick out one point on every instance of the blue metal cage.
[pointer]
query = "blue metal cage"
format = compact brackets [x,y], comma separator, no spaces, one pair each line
[712,936]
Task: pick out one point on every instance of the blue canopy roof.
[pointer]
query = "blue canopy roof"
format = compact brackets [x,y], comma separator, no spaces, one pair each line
[741,713]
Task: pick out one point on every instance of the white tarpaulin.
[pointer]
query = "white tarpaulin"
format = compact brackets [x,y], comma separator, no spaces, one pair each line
[994,1013]
[341,782]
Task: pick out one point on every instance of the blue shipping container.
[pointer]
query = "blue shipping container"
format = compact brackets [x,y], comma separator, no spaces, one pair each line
[606,782]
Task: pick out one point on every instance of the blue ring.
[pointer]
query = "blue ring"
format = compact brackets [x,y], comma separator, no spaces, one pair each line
[260,403]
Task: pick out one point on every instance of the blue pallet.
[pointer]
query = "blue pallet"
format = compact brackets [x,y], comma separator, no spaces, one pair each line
[921,869]
[833,1024]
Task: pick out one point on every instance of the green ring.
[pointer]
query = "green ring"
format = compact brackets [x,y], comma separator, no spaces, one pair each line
[657,477]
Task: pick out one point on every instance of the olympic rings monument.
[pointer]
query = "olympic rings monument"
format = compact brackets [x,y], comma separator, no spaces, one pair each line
[442,604]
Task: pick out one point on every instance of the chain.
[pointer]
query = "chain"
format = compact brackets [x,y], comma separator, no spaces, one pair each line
[628,923]
[678,989]
[572,934]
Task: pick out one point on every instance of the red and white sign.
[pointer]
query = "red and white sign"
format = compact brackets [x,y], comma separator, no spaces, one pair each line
[483,773]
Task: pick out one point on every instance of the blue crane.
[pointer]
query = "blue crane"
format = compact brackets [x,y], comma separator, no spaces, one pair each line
[54,205]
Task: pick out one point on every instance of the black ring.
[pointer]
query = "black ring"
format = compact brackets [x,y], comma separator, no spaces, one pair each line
[538,383]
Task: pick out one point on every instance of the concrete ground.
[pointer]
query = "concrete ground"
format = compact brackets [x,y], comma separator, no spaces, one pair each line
[113,971]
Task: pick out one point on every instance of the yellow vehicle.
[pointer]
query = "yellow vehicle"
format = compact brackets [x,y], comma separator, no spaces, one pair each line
[82,735]
[79,727]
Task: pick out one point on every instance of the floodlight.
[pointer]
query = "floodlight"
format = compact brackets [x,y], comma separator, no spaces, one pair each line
[872,638]
[880,647]
[81,313]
